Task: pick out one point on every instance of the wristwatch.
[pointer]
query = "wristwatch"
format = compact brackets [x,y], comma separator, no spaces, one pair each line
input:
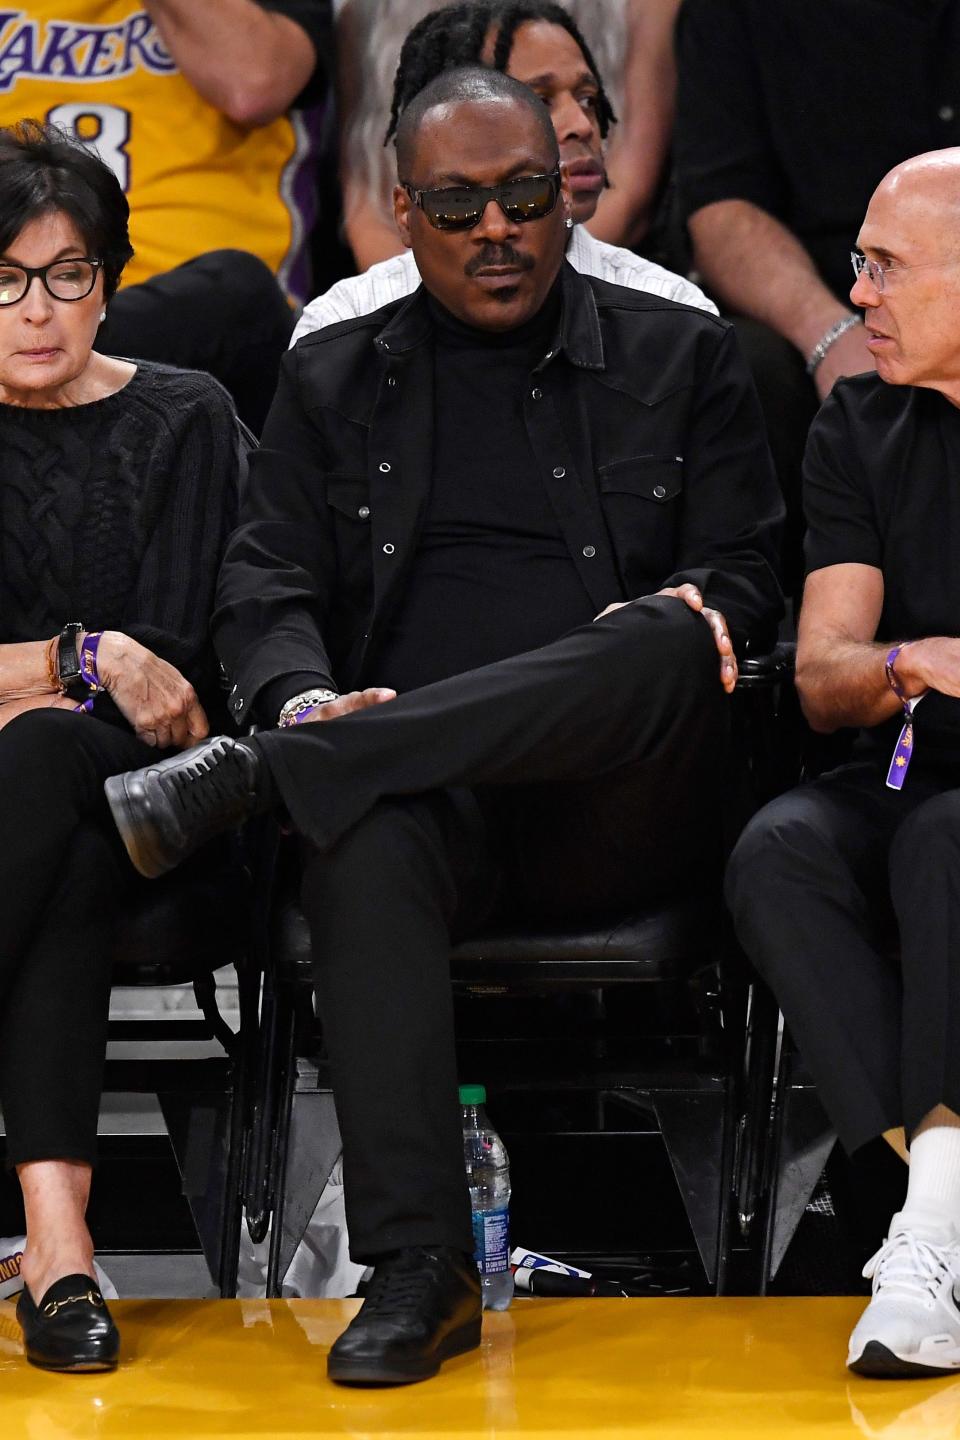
[71,680]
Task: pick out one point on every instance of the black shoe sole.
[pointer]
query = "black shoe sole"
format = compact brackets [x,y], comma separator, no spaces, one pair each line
[881,1364]
[132,832]
[77,1367]
[385,1372]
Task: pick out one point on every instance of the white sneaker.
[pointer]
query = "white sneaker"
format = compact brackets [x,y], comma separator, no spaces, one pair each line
[912,1324]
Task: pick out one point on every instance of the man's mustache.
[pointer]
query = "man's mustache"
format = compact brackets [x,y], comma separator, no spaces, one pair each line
[496,256]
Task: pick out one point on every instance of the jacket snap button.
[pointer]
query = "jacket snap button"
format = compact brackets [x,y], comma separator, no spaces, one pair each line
[659,491]
[384,468]
[389,549]
[589,551]
[536,393]
[559,473]
[364,512]
[392,381]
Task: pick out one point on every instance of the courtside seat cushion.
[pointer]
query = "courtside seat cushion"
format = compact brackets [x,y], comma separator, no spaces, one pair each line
[187,924]
[655,944]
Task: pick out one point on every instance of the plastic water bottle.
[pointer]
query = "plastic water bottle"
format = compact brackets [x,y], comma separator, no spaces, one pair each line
[488,1175]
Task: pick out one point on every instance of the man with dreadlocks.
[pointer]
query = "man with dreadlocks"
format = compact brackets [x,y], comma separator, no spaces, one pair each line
[540,44]
[632,43]
[495,516]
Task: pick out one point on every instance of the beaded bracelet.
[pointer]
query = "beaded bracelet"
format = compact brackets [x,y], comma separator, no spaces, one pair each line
[301,708]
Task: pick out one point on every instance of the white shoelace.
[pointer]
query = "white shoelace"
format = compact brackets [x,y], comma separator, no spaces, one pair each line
[910,1264]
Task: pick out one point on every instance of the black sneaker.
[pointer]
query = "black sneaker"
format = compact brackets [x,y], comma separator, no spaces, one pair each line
[166,811]
[422,1307]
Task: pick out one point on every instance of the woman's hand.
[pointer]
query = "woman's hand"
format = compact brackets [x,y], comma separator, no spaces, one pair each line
[159,703]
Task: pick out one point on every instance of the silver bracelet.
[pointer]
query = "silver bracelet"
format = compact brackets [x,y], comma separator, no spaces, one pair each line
[298,705]
[819,351]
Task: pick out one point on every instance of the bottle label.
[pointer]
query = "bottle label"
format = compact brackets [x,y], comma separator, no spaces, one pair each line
[491,1238]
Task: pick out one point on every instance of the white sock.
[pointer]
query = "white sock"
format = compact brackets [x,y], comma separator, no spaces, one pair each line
[933,1189]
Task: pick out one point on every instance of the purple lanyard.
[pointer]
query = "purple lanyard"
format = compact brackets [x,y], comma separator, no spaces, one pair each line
[903,753]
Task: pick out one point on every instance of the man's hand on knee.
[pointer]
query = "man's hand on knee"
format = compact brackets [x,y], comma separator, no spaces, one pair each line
[691,596]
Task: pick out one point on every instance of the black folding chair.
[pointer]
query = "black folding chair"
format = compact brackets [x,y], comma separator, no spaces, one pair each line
[702,1083]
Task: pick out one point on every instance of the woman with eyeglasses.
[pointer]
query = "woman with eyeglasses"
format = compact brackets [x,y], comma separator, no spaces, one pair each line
[117,491]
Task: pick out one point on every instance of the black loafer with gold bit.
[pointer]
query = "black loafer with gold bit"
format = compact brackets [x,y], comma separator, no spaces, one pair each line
[71,1328]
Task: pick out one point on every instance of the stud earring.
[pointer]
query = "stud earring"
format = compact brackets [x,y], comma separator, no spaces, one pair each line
[103,315]
[569,222]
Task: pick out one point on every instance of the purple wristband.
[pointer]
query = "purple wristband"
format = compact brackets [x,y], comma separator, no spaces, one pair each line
[303,715]
[88,667]
[903,751]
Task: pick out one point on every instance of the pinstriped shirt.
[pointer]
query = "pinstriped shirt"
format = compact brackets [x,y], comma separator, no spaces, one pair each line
[394,278]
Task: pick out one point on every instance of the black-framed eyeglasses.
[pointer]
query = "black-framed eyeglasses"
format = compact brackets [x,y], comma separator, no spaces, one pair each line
[460,207]
[63,279]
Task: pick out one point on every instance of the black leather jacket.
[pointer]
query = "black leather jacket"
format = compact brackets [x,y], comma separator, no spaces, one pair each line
[648,433]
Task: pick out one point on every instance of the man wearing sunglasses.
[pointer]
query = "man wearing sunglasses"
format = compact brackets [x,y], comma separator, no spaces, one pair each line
[539,43]
[459,502]
[846,892]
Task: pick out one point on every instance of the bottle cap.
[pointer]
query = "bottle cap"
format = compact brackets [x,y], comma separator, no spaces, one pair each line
[473,1095]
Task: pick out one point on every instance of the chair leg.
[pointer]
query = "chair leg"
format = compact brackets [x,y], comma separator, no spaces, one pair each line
[239,1134]
[309,1155]
[265,846]
[199,1127]
[727,1198]
[281,1118]
[697,1132]
[232,1203]
[276,1040]
[801,1142]
[755,1123]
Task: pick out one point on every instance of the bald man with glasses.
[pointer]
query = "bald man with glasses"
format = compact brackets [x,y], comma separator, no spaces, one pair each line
[846,893]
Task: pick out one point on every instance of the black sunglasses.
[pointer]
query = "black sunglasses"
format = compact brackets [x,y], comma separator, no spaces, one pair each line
[460,207]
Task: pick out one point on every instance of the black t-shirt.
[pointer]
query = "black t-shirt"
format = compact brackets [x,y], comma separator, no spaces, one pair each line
[492,576]
[802,108]
[882,488]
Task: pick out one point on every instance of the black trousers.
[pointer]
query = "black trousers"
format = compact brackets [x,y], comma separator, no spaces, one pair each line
[559,784]
[62,873]
[845,896]
[223,312]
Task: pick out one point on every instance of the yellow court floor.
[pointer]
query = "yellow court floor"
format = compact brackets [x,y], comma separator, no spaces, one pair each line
[665,1368]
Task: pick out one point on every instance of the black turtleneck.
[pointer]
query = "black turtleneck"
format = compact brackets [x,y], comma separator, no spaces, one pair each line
[492,575]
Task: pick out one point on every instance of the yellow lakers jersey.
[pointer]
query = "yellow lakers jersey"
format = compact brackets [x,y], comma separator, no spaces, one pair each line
[195,180]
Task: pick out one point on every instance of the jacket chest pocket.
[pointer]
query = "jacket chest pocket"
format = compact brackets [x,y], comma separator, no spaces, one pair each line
[641,499]
[349,497]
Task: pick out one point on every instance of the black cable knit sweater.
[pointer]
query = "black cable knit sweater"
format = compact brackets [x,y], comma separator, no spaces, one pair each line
[116,514]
